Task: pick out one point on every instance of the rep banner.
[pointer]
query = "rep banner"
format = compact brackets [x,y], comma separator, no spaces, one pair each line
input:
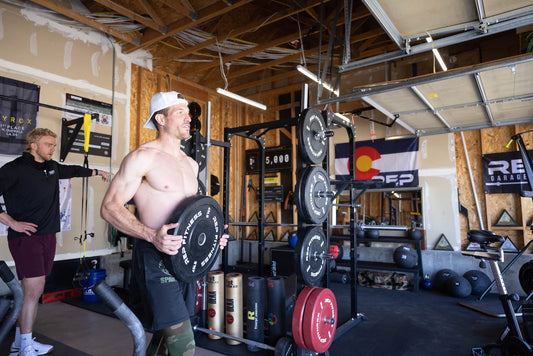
[504,173]
[16,118]
[390,161]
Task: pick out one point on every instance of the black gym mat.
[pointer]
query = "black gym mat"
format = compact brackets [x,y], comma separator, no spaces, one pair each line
[399,323]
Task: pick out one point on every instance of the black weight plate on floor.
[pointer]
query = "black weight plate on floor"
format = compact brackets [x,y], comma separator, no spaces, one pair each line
[312,148]
[525,276]
[314,180]
[201,224]
[309,251]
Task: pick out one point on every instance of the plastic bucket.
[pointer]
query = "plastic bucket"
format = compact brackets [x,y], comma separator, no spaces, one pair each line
[93,276]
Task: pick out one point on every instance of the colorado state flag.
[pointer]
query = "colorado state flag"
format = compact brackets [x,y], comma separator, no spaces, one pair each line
[392,161]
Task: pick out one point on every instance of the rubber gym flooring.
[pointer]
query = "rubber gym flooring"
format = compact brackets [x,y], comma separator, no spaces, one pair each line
[395,323]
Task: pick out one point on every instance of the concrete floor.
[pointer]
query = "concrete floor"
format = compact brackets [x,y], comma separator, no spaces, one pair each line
[87,331]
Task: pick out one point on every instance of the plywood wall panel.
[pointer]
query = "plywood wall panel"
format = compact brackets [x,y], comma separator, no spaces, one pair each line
[495,139]
[466,190]
[486,141]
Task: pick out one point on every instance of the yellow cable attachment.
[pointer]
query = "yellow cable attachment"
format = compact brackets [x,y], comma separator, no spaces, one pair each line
[87,130]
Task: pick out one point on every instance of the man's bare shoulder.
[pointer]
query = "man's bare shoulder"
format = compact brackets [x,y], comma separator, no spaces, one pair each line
[147,149]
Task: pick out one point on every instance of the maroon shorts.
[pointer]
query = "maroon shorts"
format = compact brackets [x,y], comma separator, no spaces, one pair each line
[33,255]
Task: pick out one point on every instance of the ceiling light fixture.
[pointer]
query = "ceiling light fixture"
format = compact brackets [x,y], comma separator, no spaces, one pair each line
[437,55]
[313,77]
[241,98]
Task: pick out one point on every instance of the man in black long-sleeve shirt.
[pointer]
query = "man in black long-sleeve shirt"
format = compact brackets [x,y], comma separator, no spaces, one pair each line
[30,187]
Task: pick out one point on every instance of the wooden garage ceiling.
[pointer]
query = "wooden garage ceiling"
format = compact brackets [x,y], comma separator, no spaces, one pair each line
[248,45]
[257,41]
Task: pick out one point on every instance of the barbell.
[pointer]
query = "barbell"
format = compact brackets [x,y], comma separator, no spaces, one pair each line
[284,346]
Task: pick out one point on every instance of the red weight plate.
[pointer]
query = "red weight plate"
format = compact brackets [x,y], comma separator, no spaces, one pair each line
[334,250]
[320,320]
[298,315]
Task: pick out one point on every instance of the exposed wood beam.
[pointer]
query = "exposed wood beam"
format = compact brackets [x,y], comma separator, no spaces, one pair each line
[365,44]
[233,33]
[190,8]
[87,21]
[293,57]
[271,79]
[152,13]
[150,37]
[275,62]
[259,48]
[238,55]
[130,14]
[182,10]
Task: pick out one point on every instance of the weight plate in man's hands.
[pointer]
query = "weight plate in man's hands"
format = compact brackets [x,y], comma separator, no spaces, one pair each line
[201,223]
[312,140]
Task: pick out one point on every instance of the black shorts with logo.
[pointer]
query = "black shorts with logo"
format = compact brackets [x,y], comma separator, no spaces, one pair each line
[166,300]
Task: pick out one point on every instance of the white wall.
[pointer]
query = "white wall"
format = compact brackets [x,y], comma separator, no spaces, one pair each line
[39,48]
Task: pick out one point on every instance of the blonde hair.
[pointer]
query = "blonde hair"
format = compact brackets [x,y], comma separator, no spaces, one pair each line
[35,135]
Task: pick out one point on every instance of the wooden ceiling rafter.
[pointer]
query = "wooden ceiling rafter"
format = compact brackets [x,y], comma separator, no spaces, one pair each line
[87,21]
[192,11]
[130,14]
[260,47]
[181,9]
[210,12]
[233,33]
[154,15]
[293,57]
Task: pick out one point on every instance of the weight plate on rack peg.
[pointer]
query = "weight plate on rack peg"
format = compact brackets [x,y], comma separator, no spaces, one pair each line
[298,316]
[314,194]
[312,138]
[320,320]
[298,198]
[311,253]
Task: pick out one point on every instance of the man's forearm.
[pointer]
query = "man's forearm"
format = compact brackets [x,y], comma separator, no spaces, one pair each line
[123,220]
[6,219]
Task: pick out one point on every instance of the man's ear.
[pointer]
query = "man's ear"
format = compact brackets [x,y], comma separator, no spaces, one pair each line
[160,118]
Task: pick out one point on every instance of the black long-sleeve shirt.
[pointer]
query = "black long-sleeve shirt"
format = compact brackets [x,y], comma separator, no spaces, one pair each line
[31,191]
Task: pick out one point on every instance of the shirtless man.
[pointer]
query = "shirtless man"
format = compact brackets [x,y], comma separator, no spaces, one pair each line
[158,175]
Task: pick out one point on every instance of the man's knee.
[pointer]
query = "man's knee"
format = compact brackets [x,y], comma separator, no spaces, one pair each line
[179,339]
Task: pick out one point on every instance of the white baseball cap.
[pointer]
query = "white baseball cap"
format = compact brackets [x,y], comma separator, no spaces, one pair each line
[162,101]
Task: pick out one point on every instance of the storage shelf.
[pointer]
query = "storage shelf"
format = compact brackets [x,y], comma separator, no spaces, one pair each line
[417,271]
[383,266]
[503,228]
